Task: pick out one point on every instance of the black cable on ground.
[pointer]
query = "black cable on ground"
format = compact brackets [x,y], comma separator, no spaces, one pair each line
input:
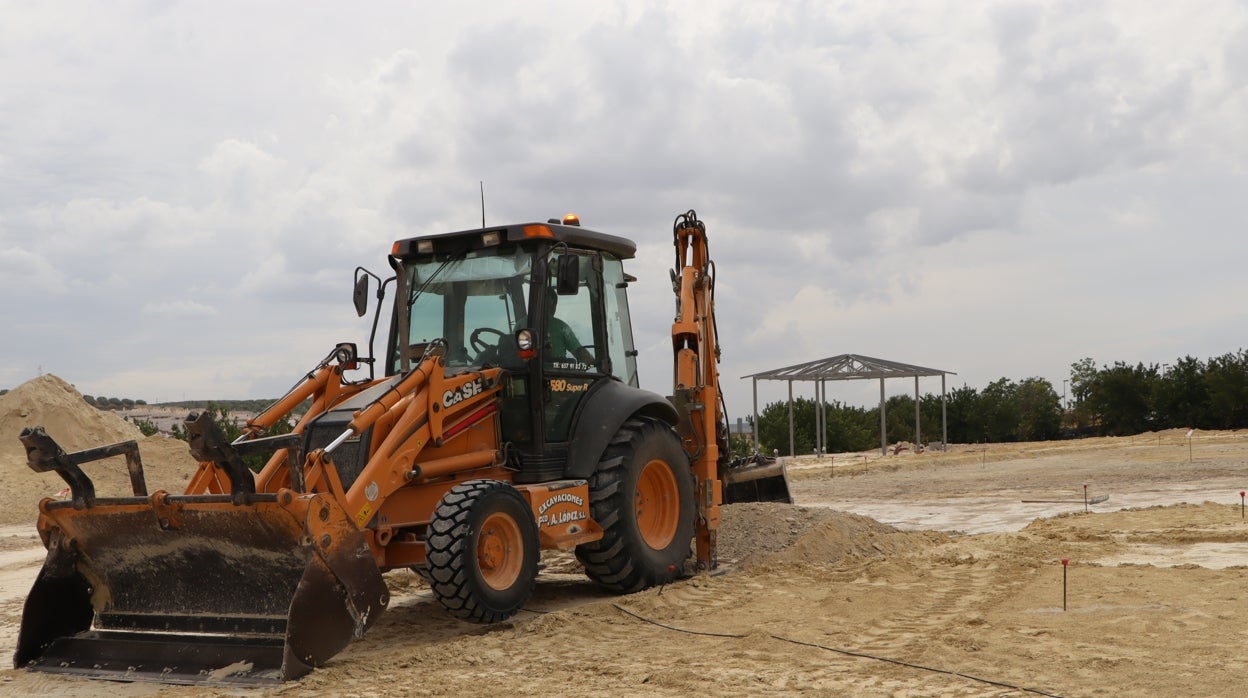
[848,653]
[669,627]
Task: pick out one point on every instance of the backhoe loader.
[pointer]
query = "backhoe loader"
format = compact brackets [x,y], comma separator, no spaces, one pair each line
[503,418]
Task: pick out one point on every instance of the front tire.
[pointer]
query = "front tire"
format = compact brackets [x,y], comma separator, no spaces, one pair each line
[482,551]
[642,495]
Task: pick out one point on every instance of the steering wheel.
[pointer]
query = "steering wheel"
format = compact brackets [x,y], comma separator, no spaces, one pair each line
[480,345]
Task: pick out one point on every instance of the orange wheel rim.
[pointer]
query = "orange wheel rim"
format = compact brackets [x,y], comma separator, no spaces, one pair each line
[658,504]
[500,551]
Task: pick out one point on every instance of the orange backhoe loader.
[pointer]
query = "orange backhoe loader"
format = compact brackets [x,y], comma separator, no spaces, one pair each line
[506,419]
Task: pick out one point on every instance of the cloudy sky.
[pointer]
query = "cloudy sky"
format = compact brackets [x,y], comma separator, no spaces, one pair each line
[994,189]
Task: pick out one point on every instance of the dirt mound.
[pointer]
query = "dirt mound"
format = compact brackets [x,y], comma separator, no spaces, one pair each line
[753,534]
[853,536]
[59,408]
[52,403]
[752,531]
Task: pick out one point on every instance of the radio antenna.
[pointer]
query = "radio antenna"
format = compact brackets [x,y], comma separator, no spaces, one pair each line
[482,184]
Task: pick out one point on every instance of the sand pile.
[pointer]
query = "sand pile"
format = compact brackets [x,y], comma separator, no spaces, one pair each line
[54,404]
[59,408]
[848,536]
[765,533]
[752,531]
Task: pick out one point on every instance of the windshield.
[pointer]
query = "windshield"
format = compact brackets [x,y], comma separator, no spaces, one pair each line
[475,301]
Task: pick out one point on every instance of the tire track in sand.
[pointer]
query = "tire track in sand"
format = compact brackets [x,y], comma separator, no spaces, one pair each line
[955,594]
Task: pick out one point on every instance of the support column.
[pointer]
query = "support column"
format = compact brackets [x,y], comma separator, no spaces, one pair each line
[757,445]
[917,431]
[944,415]
[822,389]
[792,433]
[816,415]
[883,422]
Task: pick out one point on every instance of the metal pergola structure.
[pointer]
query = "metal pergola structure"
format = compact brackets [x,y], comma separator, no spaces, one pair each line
[851,367]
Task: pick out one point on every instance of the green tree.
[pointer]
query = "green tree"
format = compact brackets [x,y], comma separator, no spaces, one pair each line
[850,428]
[962,413]
[899,414]
[146,427]
[1039,410]
[1181,398]
[931,414]
[1083,380]
[773,430]
[847,428]
[740,446]
[232,430]
[999,411]
[1226,382]
[1121,401]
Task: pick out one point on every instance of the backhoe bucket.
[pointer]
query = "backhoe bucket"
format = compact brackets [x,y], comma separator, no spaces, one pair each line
[198,589]
[757,479]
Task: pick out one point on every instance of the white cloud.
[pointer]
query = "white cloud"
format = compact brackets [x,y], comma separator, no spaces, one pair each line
[24,272]
[998,188]
[178,308]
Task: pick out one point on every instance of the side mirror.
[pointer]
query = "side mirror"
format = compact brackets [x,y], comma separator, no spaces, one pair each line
[568,277]
[360,294]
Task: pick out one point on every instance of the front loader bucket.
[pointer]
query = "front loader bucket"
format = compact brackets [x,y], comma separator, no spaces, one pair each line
[757,479]
[198,589]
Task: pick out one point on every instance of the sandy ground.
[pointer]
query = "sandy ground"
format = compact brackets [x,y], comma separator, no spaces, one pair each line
[941,582]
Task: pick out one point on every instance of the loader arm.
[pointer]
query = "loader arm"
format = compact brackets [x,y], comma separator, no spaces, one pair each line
[421,413]
[414,418]
[324,385]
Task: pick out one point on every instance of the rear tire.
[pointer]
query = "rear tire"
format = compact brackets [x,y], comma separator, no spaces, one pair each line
[642,495]
[482,551]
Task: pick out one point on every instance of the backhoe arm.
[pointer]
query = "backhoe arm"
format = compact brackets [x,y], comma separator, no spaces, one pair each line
[696,381]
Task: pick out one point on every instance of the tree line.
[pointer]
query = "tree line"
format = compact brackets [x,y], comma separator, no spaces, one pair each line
[125,403]
[1122,399]
[1110,400]
[113,403]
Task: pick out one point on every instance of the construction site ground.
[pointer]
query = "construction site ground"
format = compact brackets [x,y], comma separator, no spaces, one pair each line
[901,575]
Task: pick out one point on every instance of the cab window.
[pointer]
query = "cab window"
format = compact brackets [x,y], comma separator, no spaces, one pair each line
[475,302]
[571,328]
[619,326]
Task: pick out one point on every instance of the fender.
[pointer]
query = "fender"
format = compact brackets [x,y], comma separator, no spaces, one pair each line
[603,411]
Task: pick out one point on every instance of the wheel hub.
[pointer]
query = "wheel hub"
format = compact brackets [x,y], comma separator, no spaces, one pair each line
[657,504]
[499,551]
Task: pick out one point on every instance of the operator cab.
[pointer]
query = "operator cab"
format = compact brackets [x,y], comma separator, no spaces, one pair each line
[545,301]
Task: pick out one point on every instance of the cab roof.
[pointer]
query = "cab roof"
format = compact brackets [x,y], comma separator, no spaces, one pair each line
[574,236]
